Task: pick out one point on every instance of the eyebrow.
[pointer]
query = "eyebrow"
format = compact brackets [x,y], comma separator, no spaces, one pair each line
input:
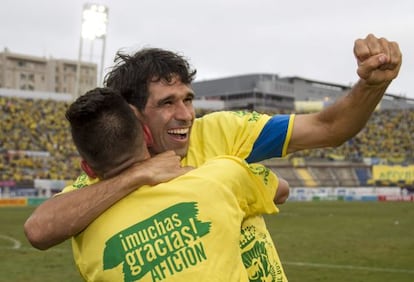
[190,95]
[172,96]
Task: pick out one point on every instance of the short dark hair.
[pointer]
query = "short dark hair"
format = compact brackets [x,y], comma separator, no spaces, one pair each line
[103,126]
[132,74]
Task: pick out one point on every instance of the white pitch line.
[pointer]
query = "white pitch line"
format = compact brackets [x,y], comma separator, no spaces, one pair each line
[16,243]
[352,267]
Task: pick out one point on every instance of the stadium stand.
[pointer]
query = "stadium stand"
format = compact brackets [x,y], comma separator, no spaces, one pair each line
[307,178]
[35,143]
[363,175]
[387,138]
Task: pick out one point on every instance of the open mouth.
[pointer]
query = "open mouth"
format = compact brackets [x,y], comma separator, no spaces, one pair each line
[180,133]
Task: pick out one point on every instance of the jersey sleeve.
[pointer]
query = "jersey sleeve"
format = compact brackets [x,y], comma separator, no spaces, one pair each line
[273,139]
[262,190]
[224,133]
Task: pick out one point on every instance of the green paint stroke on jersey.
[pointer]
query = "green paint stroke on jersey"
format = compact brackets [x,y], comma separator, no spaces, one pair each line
[166,243]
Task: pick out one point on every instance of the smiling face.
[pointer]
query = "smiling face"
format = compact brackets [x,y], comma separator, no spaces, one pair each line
[169,115]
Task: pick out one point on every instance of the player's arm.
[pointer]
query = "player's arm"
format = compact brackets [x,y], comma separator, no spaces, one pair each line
[282,193]
[64,216]
[379,62]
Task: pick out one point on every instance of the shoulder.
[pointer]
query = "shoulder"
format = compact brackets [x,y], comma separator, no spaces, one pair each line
[225,166]
[231,120]
[83,180]
[233,115]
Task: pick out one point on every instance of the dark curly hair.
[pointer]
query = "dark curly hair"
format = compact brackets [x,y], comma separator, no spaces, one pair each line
[132,74]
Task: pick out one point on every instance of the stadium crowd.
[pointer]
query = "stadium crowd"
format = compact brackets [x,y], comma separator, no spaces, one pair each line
[35,140]
[387,139]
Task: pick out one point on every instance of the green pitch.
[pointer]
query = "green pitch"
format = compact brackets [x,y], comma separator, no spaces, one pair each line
[317,241]
[345,241]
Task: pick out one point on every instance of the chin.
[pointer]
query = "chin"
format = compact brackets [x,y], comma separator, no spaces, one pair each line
[182,152]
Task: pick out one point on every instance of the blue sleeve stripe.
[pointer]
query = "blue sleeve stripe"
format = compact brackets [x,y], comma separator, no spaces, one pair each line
[271,140]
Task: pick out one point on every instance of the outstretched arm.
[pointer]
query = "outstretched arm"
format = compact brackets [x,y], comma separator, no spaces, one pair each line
[64,216]
[379,62]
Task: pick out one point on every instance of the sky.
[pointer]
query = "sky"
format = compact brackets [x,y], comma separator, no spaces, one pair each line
[221,38]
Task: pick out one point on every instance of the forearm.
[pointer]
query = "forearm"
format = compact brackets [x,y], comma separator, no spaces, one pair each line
[64,216]
[350,113]
[379,62]
[339,122]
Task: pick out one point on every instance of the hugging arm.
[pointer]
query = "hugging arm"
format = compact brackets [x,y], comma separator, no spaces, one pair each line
[67,214]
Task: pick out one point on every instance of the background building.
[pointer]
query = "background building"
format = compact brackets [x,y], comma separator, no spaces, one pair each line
[25,72]
[271,93]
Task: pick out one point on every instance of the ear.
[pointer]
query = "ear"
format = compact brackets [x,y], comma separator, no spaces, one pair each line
[147,133]
[147,136]
[135,110]
[87,169]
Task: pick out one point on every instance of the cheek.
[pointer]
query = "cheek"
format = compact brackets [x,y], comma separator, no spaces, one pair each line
[156,126]
[157,122]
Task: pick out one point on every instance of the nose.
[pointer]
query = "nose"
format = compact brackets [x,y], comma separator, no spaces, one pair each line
[184,111]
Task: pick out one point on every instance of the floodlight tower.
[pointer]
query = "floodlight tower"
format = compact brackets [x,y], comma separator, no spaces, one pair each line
[94,25]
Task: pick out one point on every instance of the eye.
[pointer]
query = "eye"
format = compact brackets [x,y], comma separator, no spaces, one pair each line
[189,100]
[166,102]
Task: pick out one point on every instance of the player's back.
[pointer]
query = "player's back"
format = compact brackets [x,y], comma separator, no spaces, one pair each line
[186,229]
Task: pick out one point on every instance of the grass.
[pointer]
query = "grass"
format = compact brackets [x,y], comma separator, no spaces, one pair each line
[26,264]
[345,241]
[317,241]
